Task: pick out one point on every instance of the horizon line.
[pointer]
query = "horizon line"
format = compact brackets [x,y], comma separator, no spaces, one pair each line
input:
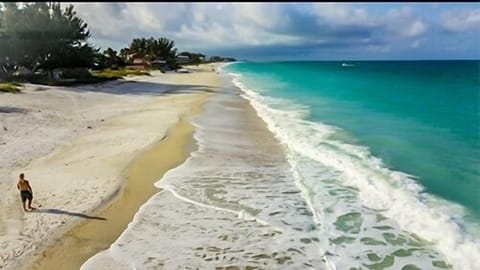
[354,60]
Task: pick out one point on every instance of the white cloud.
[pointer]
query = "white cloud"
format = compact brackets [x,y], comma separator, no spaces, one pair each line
[461,20]
[417,43]
[416,28]
[104,20]
[341,14]
[222,25]
[201,26]
[261,15]
[405,22]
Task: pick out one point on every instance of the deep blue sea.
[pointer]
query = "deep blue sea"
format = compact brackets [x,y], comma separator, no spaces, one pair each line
[400,137]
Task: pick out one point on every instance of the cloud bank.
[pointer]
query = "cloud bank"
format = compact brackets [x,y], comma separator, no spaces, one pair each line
[289,31]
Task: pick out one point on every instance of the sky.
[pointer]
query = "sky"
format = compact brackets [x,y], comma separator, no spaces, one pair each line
[294,31]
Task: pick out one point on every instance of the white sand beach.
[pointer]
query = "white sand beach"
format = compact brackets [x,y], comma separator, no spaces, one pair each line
[75,146]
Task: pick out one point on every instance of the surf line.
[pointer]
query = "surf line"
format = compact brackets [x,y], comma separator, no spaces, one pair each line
[240,214]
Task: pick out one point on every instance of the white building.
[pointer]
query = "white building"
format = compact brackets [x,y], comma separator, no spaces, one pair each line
[183,59]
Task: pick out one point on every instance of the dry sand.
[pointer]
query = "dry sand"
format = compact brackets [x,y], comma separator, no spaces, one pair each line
[77,146]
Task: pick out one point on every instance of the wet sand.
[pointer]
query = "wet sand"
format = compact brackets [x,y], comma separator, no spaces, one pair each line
[92,154]
[94,235]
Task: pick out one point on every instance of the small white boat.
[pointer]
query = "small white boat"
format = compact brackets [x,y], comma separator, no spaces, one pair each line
[347,65]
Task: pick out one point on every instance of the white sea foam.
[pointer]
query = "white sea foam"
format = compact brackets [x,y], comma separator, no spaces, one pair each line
[393,194]
[231,204]
[238,201]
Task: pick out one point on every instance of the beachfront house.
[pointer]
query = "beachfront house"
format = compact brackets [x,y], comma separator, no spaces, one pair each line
[215,59]
[221,59]
[182,59]
[138,63]
[159,64]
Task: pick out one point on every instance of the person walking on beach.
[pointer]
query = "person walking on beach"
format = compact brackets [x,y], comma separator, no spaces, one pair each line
[26,192]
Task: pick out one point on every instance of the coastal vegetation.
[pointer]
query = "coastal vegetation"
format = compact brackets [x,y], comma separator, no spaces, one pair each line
[42,36]
[195,58]
[119,73]
[10,87]
[152,49]
[47,44]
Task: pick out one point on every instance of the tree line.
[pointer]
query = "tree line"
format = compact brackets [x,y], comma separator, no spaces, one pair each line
[45,36]
[42,35]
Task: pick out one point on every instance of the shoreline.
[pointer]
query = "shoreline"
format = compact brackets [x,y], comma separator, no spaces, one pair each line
[92,236]
[76,171]
[196,231]
[193,222]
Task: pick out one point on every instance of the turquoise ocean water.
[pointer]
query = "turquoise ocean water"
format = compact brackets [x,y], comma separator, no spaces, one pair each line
[402,136]
[377,169]
[419,117]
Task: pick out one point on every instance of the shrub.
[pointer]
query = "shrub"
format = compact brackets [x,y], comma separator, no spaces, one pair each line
[10,87]
[120,73]
[76,73]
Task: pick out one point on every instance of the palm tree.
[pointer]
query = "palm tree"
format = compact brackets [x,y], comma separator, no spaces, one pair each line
[139,47]
[152,49]
[110,53]
[167,50]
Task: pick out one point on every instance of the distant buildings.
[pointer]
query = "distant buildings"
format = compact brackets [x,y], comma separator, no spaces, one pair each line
[190,58]
[160,64]
[135,61]
[138,63]
[221,59]
[215,59]
[182,59]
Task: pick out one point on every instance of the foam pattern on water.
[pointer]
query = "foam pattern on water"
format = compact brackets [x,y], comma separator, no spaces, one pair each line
[243,201]
[361,188]
[233,204]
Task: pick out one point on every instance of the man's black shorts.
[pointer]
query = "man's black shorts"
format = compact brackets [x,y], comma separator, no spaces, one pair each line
[25,194]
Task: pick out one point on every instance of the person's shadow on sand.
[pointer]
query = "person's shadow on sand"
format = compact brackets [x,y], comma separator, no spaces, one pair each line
[63,212]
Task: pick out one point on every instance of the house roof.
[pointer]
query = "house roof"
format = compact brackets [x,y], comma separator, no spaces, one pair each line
[138,60]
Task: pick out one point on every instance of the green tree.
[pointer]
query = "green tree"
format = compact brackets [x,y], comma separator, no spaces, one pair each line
[9,56]
[125,53]
[43,35]
[112,58]
[152,49]
[167,50]
[194,58]
[138,46]
[66,44]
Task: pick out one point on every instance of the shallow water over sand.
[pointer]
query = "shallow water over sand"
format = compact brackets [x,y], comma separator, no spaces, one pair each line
[239,203]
